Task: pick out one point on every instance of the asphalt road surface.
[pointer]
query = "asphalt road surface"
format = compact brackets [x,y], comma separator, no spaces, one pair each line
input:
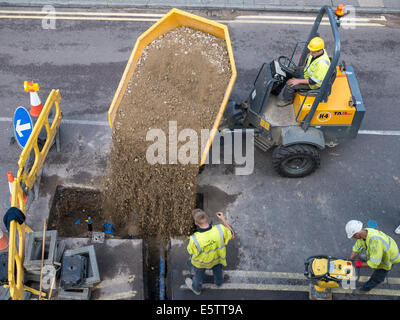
[279,222]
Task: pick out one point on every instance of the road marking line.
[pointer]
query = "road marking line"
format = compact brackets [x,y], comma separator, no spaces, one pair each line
[86,122]
[49,17]
[380,132]
[116,281]
[257,274]
[249,286]
[82,122]
[106,123]
[381,18]
[296,288]
[94,17]
[279,275]
[81,13]
[120,296]
[156,15]
[300,22]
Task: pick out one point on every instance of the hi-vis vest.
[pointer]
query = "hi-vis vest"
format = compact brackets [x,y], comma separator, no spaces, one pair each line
[208,248]
[382,250]
[317,70]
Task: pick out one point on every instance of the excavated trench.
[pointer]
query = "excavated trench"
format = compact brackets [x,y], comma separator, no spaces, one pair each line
[72,206]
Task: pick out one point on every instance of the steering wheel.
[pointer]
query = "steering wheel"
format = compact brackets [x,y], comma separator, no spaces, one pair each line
[287,65]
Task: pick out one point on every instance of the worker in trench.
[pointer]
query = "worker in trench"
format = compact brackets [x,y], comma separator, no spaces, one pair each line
[311,77]
[207,248]
[382,252]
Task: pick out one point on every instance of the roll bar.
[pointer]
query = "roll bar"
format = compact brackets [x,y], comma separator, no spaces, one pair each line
[335,23]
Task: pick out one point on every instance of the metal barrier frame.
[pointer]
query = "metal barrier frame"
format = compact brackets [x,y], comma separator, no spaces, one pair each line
[16,259]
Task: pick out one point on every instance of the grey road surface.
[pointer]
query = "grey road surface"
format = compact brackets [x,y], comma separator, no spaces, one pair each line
[279,222]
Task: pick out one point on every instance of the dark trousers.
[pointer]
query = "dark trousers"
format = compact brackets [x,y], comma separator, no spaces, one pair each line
[377,277]
[199,274]
[289,92]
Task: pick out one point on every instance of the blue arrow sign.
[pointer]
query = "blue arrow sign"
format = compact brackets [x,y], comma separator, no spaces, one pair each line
[22,126]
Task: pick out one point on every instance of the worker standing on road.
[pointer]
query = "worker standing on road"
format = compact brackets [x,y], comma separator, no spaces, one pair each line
[314,73]
[382,252]
[207,248]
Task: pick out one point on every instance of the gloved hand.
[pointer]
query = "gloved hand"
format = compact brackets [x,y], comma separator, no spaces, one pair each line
[358,263]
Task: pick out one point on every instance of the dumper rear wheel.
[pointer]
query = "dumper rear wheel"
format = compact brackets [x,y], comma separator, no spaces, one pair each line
[296,161]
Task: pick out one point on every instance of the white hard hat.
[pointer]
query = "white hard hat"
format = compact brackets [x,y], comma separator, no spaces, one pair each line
[352,227]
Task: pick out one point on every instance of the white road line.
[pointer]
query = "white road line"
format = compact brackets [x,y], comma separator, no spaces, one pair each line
[106,123]
[76,18]
[120,296]
[80,13]
[80,122]
[257,274]
[356,24]
[380,132]
[250,286]
[101,16]
[267,17]
[86,122]
[280,287]
[156,15]
[116,281]
[279,275]
[265,275]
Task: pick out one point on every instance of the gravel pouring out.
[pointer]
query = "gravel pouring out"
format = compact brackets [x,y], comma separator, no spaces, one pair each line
[182,76]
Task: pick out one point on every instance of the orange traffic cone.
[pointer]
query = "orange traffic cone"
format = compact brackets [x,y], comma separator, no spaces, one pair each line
[10,186]
[3,241]
[10,180]
[36,104]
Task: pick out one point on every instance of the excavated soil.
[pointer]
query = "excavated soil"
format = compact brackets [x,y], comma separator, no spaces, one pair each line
[71,207]
[182,77]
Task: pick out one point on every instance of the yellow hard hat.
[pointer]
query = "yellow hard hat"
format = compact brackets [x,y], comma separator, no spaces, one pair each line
[316,44]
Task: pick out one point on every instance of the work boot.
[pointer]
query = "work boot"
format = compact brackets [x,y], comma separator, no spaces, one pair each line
[283,103]
[189,284]
[358,291]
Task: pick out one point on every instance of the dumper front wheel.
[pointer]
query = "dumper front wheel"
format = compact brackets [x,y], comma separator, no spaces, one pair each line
[296,161]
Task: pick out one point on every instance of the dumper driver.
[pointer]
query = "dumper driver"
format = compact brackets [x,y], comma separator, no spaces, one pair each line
[207,247]
[312,76]
[382,252]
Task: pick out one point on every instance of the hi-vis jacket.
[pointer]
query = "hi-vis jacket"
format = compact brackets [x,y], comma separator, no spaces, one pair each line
[208,248]
[317,69]
[382,250]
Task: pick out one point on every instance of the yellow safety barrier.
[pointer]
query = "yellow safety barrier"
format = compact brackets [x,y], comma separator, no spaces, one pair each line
[29,178]
[16,257]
